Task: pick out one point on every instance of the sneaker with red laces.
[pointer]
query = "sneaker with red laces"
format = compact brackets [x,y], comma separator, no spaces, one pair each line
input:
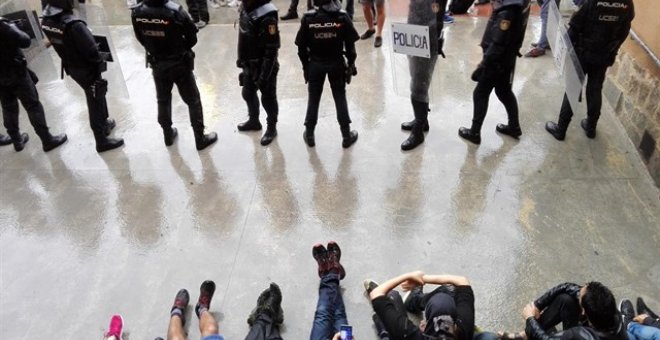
[180,303]
[535,52]
[320,254]
[334,256]
[206,291]
[116,327]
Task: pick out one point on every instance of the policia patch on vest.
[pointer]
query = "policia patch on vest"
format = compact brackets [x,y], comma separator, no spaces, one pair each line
[505,24]
[272,29]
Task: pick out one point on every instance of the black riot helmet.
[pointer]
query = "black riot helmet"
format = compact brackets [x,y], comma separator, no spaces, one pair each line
[55,7]
[497,4]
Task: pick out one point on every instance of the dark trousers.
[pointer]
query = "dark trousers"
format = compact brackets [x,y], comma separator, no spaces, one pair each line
[182,75]
[268,98]
[501,82]
[595,78]
[263,329]
[23,89]
[294,6]
[330,311]
[337,77]
[416,301]
[199,10]
[95,88]
[564,309]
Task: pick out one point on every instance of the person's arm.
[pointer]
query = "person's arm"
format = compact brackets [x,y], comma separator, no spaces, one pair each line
[9,32]
[501,37]
[350,37]
[546,299]
[446,279]
[303,49]
[535,332]
[85,43]
[577,22]
[271,35]
[384,288]
[189,28]
[647,321]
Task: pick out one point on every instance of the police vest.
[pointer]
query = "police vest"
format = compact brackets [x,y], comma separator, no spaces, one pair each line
[607,23]
[57,32]
[160,31]
[325,34]
[256,29]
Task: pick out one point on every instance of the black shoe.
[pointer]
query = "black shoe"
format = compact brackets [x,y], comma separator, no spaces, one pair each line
[349,138]
[180,304]
[52,142]
[334,257]
[412,141]
[380,327]
[170,136]
[320,254]
[110,124]
[508,130]
[466,133]
[260,308]
[5,140]
[555,130]
[267,138]
[108,143]
[20,141]
[289,16]
[368,34]
[378,42]
[642,308]
[627,312]
[205,140]
[308,137]
[407,126]
[274,302]
[369,285]
[588,130]
[249,125]
[206,291]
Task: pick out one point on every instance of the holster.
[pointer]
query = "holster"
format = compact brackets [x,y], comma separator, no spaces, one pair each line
[99,87]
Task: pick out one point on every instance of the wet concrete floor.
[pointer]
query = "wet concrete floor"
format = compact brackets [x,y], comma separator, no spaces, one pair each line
[84,236]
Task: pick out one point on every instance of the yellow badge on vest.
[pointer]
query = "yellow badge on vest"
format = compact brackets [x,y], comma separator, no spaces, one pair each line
[272,29]
[505,24]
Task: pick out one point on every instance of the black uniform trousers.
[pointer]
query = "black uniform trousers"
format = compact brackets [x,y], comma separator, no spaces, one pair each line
[294,6]
[95,88]
[22,89]
[501,82]
[182,75]
[263,329]
[335,71]
[268,97]
[595,78]
[199,10]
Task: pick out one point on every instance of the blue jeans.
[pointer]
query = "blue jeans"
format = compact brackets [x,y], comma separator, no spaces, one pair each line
[641,332]
[543,39]
[330,311]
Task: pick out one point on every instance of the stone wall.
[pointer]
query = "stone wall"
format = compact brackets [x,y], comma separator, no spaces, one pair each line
[633,91]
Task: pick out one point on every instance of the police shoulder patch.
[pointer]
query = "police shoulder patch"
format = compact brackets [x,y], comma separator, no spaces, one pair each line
[272,29]
[505,24]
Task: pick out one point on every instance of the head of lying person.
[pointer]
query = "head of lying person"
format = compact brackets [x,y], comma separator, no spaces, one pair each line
[599,306]
[439,316]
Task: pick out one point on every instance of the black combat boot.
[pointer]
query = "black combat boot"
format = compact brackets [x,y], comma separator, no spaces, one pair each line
[19,141]
[474,137]
[556,130]
[269,135]
[104,143]
[408,126]
[110,124]
[252,124]
[416,138]
[169,135]
[421,111]
[289,16]
[509,130]
[4,140]
[308,137]
[203,140]
[50,142]
[589,128]
[348,136]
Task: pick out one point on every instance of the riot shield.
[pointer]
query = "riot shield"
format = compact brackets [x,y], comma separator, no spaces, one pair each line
[565,58]
[26,18]
[414,40]
[95,16]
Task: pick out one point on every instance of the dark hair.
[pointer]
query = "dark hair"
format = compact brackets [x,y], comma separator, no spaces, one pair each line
[600,306]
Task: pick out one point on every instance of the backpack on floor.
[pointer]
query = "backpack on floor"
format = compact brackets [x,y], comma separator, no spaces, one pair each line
[460,6]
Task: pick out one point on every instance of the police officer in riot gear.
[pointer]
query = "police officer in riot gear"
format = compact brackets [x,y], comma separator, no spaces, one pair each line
[258,44]
[82,60]
[325,34]
[168,34]
[502,39]
[596,30]
[428,13]
[17,82]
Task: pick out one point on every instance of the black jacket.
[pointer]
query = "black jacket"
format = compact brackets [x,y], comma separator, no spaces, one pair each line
[324,36]
[504,35]
[12,59]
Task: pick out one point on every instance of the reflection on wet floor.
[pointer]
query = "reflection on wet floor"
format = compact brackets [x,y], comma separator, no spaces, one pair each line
[84,236]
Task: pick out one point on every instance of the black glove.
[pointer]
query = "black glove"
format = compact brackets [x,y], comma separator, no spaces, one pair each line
[350,72]
[478,73]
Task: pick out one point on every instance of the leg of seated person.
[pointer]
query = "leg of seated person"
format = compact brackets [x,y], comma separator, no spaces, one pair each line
[638,331]
[564,309]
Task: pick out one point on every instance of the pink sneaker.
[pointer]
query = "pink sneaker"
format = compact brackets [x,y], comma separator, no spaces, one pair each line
[116,327]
